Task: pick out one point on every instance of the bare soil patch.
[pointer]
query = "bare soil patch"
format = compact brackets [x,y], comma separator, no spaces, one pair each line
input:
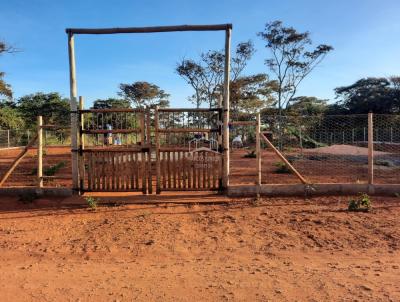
[274,250]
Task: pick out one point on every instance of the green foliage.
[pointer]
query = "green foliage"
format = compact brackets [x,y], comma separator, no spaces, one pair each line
[385,163]
[52,170]
[307,105]
[111,103]
[250,94]
[250,154]
[142,94]
[282,168]
[92,202]
[5,89]
[378,95]
[10,118]
[361,204]
[53,108]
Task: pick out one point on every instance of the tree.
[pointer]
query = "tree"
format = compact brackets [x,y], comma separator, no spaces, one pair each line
[5,89]
[206,76]
[10,118]
[307,106]
[249,94]
[378,95]
[111,103]
[292,60]
[142,94]
[54,109]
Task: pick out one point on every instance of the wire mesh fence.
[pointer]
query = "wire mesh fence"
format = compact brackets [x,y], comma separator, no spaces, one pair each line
[10,138]
[386,148]
[324,149]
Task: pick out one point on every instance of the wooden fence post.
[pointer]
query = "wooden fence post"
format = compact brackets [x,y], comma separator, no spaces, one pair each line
[370,149]
[225,173]
[258,154]
[40,151]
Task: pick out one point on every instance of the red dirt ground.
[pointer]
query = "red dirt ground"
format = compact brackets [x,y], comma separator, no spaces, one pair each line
[273,250]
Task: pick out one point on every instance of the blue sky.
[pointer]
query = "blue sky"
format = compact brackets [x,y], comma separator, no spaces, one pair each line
[364,33]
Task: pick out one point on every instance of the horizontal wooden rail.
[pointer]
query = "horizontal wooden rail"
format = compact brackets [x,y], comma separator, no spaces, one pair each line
[55,127]
[57,177]
[185,130]
[151,29]
[189,109]
[105,131]
[243,123]
[111,110]
[116,149]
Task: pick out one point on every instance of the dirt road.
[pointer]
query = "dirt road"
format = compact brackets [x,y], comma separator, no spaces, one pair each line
[274,250]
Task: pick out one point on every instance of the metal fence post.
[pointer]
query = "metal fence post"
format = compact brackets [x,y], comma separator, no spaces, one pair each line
[8,138]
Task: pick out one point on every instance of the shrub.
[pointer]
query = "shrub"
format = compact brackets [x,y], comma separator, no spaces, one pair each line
[250,154]
[361,204]
[52,170]
[92,202]
[282,168]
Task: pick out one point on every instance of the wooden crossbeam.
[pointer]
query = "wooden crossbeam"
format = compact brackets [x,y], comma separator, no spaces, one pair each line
[150,29]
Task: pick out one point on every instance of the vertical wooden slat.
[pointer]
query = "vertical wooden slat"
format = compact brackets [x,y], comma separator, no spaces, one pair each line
[164,169]
[158,158]
[179,170]
[143,173]
[137,169]
[189,171]
[194,168]
[184,170]
[169,168]
[204,169]
[90,170]
[209,162]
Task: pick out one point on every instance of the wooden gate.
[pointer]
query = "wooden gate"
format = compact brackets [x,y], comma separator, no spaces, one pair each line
[115,150]
[124,149]
[188,147]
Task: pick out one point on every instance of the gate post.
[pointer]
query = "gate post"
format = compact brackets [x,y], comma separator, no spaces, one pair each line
[74,108]
[225,172]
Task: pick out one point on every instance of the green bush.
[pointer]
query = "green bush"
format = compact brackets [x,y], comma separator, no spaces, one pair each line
[361,204]
[92,202]
[282,168]
[250,154]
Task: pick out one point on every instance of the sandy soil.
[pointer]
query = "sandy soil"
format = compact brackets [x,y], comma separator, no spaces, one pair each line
[273,250]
